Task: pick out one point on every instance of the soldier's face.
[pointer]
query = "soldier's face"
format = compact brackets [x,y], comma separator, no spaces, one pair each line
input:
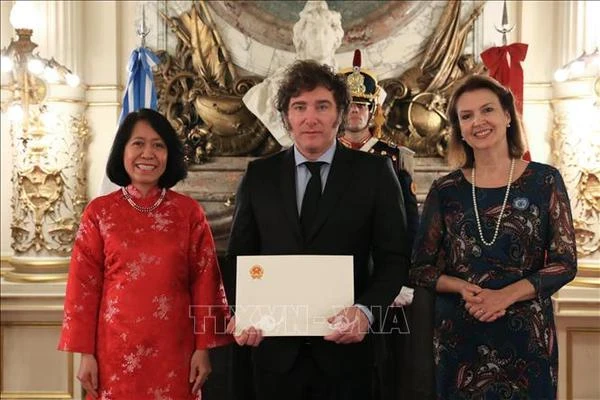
[358,117]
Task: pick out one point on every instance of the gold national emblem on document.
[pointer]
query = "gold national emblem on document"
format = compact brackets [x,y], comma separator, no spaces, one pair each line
[256,271]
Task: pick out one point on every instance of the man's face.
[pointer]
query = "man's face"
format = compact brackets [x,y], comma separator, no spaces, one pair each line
[313,121]
[358,117]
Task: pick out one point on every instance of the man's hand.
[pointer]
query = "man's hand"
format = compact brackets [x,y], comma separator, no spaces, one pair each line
[351,325]
[248,337]
[490,305]
[199,369]
[88,374]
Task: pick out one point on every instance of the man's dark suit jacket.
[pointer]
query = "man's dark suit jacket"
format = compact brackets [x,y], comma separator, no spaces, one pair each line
[361,213]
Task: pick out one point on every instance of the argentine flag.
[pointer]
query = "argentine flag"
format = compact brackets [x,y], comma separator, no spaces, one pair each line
[140,92]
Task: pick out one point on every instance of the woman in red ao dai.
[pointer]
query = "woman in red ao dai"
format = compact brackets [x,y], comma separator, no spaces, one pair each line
[144,299]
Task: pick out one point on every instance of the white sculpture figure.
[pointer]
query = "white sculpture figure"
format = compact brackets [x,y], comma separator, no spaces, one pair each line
[317,35]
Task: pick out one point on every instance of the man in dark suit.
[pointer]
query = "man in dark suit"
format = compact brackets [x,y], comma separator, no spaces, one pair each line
[357,210]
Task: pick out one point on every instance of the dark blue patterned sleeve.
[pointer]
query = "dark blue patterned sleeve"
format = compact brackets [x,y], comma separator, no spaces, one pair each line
[426,269]
[561,253]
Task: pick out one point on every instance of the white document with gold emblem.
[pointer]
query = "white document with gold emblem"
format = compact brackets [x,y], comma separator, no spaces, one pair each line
[292,295]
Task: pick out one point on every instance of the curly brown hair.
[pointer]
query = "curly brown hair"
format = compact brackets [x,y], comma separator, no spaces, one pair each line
[305,76]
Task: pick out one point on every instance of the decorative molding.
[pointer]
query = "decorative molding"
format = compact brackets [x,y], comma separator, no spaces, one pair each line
[37,270]
[105,87]
[49,192]
[588,275]
[576,154]
[62,100]
[576,307]
[104,104]
[388,57]
[271,23]
[25,300]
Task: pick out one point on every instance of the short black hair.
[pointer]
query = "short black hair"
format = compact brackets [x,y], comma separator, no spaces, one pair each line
[305,76]
[176,168]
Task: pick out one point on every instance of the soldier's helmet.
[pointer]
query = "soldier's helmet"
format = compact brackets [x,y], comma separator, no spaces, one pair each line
[362,83]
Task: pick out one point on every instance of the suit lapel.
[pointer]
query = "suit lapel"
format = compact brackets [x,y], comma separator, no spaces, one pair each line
[337,180]
[287,179]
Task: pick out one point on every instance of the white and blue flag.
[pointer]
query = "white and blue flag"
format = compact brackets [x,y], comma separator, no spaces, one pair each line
[140,92]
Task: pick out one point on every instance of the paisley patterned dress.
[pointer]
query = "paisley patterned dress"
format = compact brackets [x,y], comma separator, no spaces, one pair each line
[144,291]
[516,356]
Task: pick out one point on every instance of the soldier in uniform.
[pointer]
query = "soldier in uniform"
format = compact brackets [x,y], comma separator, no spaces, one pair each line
[362,132]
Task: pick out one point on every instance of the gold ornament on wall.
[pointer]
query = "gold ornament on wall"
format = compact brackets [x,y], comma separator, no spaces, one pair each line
[50,183]
[201,95]
[582,179]
[415,106]
[49,141]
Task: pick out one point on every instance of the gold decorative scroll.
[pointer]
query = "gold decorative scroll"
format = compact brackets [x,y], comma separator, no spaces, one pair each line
[201,95]
[415,106]
[582,178]
[49,189]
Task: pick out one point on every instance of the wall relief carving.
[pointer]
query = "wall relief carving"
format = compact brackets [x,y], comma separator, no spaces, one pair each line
[50,189]
[415,105]
[201,93]
[200,90]
[576,157]
[271,22]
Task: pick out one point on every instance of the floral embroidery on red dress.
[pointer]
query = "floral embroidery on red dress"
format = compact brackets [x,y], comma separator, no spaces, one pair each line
[135,276]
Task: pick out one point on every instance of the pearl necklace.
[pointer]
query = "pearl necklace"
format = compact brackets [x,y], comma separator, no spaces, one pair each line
[510,175]
[140,208]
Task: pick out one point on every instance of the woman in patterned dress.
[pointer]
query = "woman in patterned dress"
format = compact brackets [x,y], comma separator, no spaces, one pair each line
[496,241]
[144,296]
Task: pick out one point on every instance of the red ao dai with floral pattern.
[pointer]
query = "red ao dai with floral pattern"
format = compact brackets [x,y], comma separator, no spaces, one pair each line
[144,292]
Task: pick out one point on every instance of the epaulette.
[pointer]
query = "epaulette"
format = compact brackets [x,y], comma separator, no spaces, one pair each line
[388,142]
[386,149]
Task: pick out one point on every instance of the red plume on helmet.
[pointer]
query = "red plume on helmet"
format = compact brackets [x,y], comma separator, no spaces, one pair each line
[356,61]
[361,83]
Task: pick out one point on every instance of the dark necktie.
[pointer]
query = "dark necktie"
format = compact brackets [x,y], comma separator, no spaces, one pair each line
[312,195]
